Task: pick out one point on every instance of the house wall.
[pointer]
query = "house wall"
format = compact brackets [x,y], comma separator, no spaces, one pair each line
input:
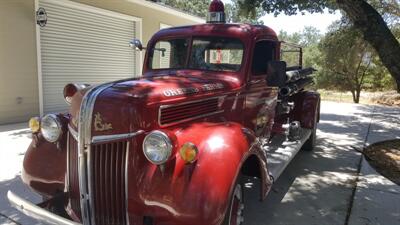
[19,89]
[19,98]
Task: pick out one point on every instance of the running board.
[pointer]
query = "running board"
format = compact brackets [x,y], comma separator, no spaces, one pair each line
[280,152]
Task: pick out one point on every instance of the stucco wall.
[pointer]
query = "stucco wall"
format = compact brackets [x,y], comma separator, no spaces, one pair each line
[19,92]
[19,97]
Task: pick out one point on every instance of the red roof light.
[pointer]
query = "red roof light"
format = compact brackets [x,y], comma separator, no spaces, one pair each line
[216,6]
[216,12]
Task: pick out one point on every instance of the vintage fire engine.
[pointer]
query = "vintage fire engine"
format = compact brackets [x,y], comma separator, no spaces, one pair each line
[214,104]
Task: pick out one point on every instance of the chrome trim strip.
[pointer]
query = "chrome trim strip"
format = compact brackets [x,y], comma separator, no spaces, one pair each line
[30,209]
[126,181]
[189,119]
[73,132]
[66,186]
[115,137]
[84,159]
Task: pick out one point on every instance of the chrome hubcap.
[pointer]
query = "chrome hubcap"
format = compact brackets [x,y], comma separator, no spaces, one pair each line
[237,209]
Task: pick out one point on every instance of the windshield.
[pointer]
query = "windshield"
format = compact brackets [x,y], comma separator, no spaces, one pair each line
[211,53]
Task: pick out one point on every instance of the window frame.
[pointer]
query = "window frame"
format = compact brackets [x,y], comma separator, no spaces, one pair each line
[276,48]
[151,56]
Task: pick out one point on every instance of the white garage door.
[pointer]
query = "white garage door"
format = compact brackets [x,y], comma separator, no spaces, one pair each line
[82,44]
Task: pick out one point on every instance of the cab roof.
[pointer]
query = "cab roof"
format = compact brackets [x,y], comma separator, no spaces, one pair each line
[241,31]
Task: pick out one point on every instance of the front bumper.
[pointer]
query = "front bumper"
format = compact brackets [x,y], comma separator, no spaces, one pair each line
[37,212]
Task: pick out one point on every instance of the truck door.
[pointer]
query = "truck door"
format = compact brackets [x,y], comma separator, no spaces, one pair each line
[261,100]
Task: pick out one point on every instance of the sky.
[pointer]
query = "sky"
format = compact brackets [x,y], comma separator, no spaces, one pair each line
[296,23]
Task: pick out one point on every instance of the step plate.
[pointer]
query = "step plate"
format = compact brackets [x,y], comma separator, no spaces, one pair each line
[280,152]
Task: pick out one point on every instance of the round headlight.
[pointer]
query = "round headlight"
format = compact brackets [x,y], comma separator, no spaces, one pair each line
[157,147]
[51,128]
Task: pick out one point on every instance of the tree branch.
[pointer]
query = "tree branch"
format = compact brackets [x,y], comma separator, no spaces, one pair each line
[375,32]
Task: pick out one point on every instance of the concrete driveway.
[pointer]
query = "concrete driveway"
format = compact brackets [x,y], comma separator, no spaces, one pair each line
[317,188]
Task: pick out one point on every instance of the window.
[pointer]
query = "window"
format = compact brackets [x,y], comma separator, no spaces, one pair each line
[169,54]
[264,52]
[216,54]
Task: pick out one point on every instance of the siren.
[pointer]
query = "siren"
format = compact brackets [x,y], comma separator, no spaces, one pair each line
[216,12]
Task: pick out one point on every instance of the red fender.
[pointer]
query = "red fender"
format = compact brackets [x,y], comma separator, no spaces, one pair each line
[45,163]
[307,104]
[44,166]
[198,193]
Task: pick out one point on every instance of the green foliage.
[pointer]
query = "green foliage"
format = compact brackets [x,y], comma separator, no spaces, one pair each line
[232,10]
[344,61]
[289,7]
[308,38]
[198,7]
[349,63]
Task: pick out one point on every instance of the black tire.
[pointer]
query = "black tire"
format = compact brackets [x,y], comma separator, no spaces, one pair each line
[309,145]
[236,204]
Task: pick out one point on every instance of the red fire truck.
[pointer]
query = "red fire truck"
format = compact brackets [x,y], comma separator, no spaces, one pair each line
[215,103]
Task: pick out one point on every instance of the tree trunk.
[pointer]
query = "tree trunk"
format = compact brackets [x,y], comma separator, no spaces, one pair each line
[376,33]
[358,92]
[353,93]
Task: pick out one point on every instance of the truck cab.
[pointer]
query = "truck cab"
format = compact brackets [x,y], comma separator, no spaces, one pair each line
[214,104]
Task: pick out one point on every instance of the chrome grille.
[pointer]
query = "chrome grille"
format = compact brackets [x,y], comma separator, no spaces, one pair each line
[108,180]
[108,165]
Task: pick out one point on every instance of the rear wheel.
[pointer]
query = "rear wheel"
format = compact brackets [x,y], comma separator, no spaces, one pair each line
[309,145]
[235,212]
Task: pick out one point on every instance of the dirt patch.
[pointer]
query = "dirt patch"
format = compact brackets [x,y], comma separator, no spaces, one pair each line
[385,158]
[388,98]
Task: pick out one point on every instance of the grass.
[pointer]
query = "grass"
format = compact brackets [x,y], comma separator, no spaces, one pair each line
[390,98]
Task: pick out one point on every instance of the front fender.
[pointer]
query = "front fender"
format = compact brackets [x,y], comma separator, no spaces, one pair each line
[197,193]
[44,166]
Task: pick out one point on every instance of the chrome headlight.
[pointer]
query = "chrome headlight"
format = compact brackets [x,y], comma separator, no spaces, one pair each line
[157,147]
[51,128]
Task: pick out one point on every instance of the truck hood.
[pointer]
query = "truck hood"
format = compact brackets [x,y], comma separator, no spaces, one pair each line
[139,98]
[168,88]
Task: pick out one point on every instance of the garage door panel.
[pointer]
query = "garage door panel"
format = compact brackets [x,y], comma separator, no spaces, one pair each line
[82,46]
[81,15]
[90,45]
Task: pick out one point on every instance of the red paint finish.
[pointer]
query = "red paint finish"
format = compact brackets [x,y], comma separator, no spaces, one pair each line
[44,167]
[174,193]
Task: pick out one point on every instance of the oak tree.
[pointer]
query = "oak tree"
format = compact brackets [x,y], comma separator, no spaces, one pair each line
[346,63]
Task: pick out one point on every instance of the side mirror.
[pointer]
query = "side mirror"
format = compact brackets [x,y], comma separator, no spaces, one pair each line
[136,44]
[276,74]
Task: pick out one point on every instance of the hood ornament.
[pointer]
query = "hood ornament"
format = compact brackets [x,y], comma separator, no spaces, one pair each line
[99,125]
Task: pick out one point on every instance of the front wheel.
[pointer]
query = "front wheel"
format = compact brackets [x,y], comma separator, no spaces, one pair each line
[235,211]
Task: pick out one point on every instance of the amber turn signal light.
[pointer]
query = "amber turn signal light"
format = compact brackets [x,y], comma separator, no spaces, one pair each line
[188,152]
[34,124]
